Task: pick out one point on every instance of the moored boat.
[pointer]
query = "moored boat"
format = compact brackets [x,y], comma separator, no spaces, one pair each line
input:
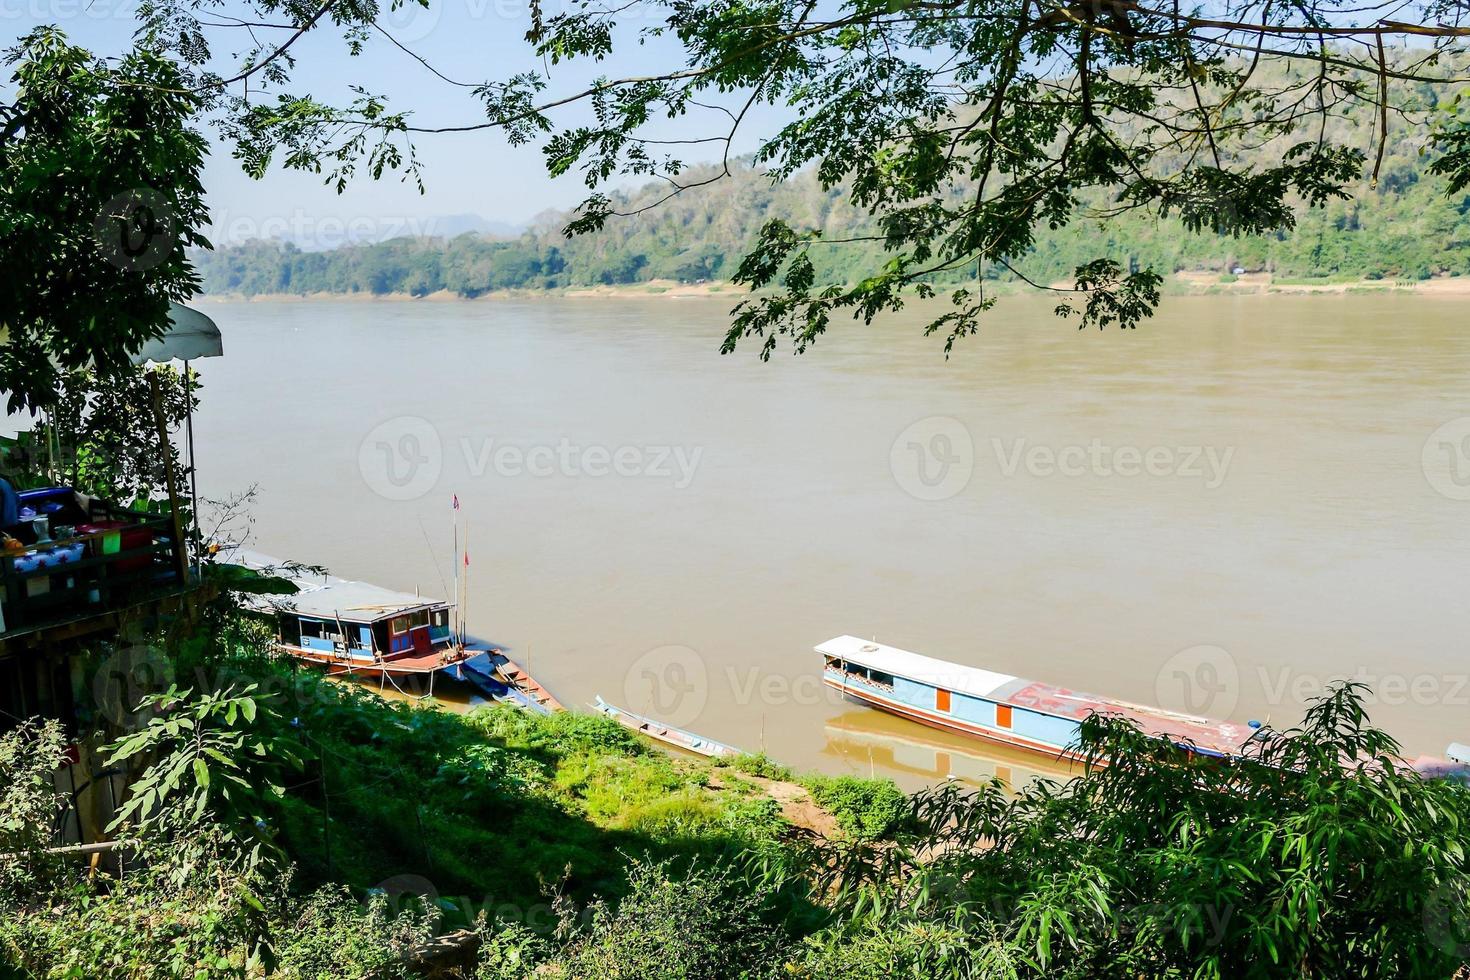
[499,677]
[679,738]
[999,707]
[354,628]
[1013,711]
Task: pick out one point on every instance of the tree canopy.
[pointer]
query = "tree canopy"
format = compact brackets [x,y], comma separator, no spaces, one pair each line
[99,199]
[962,129]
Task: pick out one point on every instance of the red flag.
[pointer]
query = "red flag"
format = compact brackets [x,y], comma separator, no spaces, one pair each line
[456,501]
[466,559]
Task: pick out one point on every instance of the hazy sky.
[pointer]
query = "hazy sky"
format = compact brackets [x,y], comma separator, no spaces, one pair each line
[467,40]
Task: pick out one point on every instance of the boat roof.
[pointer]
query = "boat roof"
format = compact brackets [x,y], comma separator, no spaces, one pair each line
[1205,733]
[325,596]
[915,666]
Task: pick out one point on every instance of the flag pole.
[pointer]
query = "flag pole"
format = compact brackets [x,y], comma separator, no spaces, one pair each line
[464,612]
[454,563]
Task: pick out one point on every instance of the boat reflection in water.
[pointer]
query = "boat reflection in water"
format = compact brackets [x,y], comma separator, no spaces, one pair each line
[872,742]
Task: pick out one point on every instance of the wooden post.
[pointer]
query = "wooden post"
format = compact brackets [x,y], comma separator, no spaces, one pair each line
[170,478]
[193,467]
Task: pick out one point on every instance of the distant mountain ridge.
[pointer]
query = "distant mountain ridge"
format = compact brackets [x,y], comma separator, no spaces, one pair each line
[327,232]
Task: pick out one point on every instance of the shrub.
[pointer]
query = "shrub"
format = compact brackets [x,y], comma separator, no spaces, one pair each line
[865,809]
[761,765]
[29,805]
[331,934]
[564,732]
[868,950]
[184,914]
[706,925]
[1318,853]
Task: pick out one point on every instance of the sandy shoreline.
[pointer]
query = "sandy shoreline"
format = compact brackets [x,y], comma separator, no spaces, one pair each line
[1262,282]
[1181,283]
[654,289]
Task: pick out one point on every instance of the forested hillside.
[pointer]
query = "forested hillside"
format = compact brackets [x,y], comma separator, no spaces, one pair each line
[1405,227]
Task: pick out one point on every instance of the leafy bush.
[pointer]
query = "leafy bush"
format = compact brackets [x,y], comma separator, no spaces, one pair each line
[1317,854]
[866,809]
[867,949]
[178,912]
[29,805]
[563,733]
[331,934]
[706,925]
[761,765]
[215,754]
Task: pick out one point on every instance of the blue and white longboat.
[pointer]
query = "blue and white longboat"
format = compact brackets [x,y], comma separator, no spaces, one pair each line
[1000,707]
[1029,714]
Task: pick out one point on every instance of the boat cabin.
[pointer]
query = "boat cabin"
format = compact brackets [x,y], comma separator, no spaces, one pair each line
[401,630]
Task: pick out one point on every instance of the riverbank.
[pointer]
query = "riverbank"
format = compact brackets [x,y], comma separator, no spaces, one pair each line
[1178,284]
[1259,283]
[662,288]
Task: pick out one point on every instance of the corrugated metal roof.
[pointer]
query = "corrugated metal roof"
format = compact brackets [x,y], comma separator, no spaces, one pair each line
[938,673]
[325,596]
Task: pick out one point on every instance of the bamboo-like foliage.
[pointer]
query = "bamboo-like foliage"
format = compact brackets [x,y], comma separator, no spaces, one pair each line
[1317,853]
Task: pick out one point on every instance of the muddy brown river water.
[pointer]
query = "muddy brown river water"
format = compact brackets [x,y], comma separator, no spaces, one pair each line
[1220,512]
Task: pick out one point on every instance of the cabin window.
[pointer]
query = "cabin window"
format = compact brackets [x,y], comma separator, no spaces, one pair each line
[880,678]
[399,624]
[941,700]
[312,628]
[1003,715]
[441,618]
[291,630]
[420,618]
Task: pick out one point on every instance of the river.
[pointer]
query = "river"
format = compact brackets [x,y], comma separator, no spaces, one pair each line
[1219,512]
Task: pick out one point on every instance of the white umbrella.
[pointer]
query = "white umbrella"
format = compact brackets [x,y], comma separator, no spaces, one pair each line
[190,335]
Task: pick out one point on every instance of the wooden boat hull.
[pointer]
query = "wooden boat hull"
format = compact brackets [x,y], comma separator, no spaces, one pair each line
[954,725]
[501,679]
[398,667]
[523,681]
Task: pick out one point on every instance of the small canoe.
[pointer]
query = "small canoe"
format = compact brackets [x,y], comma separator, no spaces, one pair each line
[517,677]
[677,737]
[501,680]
